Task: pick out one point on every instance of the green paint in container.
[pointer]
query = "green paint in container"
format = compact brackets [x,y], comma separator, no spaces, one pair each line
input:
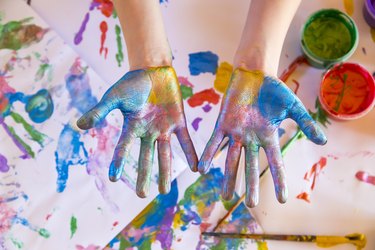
[328,37]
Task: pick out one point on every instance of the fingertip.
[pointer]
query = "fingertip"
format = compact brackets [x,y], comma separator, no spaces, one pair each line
[85,122]
[115,171]
[317,135]
[252,199]
[226,194]
[203,167]
[164,189]
[282,195]
[141,193]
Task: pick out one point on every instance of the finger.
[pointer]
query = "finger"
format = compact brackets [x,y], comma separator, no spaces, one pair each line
[188,148]
[121,153]
[231,167]
[164,157]
[252,175]
[276,164]
[209,151]
[309,127]
[146,158]
[94,116]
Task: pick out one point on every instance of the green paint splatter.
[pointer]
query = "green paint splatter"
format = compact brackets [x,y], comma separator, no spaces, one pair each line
[17,243]
[320,115]
[24,145]
[73,226]
[186,92]
[327,38]
[44,69]
[35,135]
[119,55]
[44,233]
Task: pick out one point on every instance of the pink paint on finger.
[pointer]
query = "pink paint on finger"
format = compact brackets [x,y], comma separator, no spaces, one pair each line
[365,177]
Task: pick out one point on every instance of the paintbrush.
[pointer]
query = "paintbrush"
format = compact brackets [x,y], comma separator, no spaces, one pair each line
[356,239]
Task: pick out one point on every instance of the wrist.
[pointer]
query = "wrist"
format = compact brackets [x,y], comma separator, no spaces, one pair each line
[257,58]
[151,58]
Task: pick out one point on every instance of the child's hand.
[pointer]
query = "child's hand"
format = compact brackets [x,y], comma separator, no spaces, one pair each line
[151,103]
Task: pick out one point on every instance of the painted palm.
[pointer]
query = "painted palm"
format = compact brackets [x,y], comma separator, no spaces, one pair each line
[251,112]
[150,101]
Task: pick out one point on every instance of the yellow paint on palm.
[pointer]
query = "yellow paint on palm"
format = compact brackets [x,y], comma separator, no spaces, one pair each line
[262,245]
[223,74]
[349,7]
[244,81]
[372,32]
[165,84]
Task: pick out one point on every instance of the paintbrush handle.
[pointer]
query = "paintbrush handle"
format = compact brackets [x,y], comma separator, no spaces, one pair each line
[358,240]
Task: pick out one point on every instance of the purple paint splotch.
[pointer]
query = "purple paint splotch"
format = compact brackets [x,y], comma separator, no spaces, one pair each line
[207,108]
[203,62]
[70,151]
[79,35]
[4,167]
[196,122]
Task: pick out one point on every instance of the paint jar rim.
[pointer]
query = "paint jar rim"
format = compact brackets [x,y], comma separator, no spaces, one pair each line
[370,82]
[320,62]
[369,12]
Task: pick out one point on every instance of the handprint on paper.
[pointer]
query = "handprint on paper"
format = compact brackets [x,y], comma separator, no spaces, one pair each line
[252,110]
[150,101]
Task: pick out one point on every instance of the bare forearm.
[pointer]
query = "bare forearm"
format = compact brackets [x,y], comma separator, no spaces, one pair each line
[264,33]
[144,33]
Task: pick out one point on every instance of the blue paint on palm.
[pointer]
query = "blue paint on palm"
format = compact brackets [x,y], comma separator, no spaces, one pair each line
[70,151]
[203,62]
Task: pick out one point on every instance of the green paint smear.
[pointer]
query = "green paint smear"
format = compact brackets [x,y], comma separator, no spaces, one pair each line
[42,71]
[24,145]
[327,38]
[35,135]
[44,233]
[73,226]
[17,243]
[119,55]
[186,92]
[320,115]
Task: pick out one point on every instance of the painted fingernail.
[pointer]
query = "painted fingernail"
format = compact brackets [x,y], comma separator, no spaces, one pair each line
[253,199]
[85,122]
[203,167]
[141,193]
[115,172]
[282,195]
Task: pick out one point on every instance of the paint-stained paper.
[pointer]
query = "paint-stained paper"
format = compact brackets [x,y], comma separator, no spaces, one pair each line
[54,186]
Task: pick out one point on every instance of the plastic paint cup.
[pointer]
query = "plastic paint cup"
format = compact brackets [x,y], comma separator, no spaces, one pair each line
[369,12]
[329,36]
[347,91]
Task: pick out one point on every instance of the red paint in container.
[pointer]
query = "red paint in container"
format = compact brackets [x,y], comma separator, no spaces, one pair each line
[347,91]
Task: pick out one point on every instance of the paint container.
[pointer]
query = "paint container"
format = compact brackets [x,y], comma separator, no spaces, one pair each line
[329,36]
[369,12]
[347,91]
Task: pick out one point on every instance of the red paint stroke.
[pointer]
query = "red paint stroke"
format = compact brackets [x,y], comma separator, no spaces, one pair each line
[103,28]
[207,95]
[184,81]
[304,196]
[365,177]
[105,6]
[115,223]
[315,171]
[292,67]
[297,86]
[48,216]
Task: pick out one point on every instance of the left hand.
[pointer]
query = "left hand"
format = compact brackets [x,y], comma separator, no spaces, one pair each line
[251,112]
